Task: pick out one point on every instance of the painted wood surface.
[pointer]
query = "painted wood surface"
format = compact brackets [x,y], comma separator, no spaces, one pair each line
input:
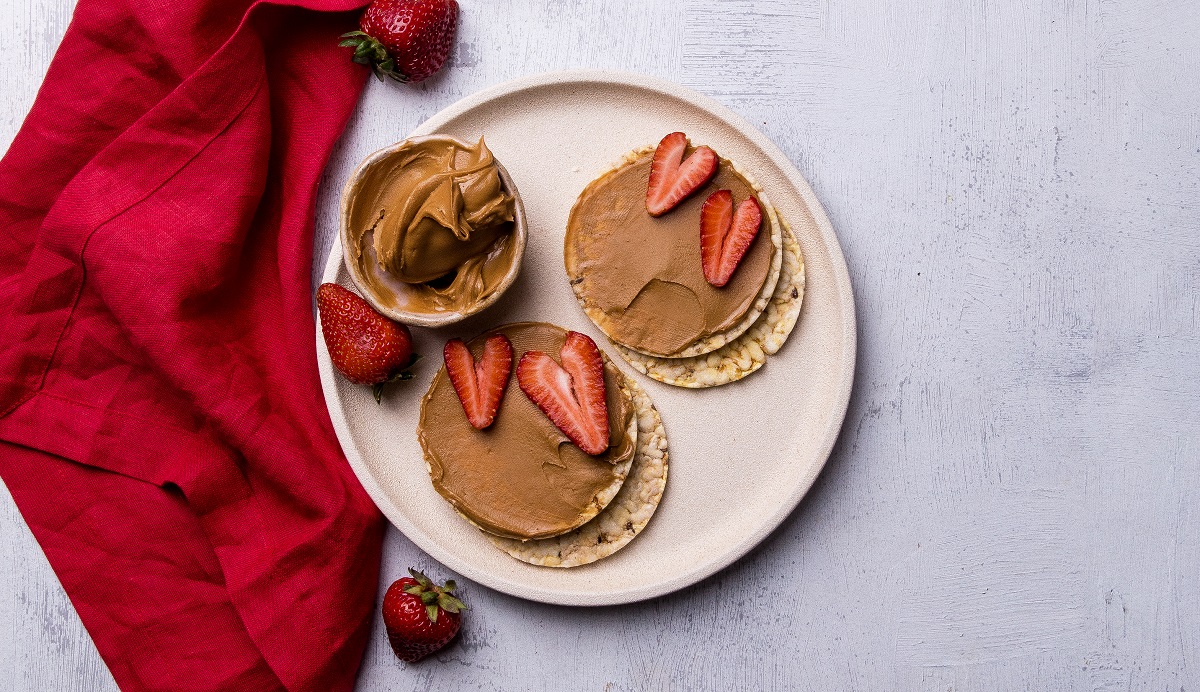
[1015,499]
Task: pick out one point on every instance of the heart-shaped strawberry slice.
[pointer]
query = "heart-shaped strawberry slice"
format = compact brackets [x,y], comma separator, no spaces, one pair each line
[725,235]
[673,178]
[572,395]
[480,386]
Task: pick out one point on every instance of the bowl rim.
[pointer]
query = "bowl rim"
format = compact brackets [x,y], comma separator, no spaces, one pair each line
[426,319]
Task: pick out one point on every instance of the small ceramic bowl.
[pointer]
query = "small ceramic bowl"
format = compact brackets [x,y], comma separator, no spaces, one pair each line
[387,304]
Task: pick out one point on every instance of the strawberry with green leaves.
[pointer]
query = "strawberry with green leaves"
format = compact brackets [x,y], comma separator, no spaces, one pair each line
[406,40]
[420,616]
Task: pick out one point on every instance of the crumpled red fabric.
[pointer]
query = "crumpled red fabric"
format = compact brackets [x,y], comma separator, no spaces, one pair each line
[162,428]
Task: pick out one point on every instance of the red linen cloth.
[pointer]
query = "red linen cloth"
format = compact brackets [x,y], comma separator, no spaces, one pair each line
[161,422]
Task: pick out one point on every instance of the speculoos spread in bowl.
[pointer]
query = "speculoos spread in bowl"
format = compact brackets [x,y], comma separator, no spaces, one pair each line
[433,229]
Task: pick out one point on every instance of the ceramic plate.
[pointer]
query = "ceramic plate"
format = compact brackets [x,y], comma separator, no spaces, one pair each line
[741,455]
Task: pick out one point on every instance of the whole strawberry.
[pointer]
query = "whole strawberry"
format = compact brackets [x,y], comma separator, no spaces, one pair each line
[420,616]
[407,40]
[365,346]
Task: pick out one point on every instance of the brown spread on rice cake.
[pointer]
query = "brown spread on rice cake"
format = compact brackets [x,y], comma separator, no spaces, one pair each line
[522,477]
[639,277]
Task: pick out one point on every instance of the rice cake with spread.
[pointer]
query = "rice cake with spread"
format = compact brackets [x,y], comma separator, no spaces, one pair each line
[628,513]
[748,352]
[639,277]
[522,477]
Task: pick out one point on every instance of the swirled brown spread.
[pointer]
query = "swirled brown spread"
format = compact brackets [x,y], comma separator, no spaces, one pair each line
[432,226]
[641,276]
[521,477]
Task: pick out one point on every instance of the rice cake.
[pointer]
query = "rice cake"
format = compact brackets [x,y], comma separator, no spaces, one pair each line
[522,477]
[628,513]
[639,278]
[747,353]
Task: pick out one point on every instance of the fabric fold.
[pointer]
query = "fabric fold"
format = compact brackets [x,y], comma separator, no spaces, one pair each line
[162,425]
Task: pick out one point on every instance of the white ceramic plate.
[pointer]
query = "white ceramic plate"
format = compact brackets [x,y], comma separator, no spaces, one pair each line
[742,455]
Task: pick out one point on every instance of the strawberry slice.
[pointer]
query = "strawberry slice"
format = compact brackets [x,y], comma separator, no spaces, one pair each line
[572,395]
[480,386]
[725,235]
[673,178]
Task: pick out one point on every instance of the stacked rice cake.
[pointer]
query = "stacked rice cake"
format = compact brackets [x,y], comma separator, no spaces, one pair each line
[526,485]
[640,278]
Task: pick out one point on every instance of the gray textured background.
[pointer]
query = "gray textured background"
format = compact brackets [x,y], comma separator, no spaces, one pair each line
[1013,501]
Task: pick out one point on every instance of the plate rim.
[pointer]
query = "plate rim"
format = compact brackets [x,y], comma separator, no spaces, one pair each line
[829,437]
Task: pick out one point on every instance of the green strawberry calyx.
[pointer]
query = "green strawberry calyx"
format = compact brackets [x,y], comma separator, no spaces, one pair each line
[370,52]
[434,597]
[403,373]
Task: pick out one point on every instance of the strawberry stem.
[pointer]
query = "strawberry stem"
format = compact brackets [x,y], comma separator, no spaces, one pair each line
[434,597]
[400,375]
[370,52]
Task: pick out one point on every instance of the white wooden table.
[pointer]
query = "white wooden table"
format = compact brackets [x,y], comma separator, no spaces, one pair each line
[1015,499]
